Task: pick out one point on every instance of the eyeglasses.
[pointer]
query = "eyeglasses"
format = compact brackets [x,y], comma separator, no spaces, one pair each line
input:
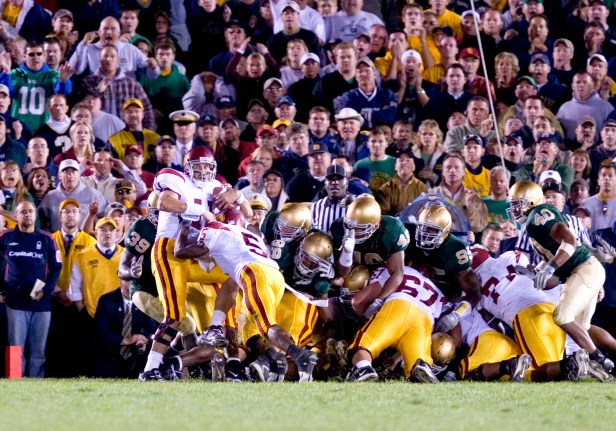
[124,192]
[35,54]
[75,212]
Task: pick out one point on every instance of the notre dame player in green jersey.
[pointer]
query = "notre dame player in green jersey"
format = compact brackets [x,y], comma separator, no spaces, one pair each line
[283,230]
[136,266]
[364,237]
[564,258]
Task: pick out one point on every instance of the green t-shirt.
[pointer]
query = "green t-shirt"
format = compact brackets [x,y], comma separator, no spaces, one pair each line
[380,171]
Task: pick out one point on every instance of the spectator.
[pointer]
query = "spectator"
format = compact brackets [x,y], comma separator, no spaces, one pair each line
[133,159]
[256,118]
[28,80]
[306,186]
[478,85]
[339,81]
[349,22]
[411,95]
[294,161]
[26,19]
[291,30]
[81,113]
[394,195]
[9,148]
[602,206]
[208,34]
[580,163]
[134,133]
[402,133]
[506,68]
[562,56]
[446,17]
[496,202]
[164,156]
[235,149]
[442,104]
[87,56]
[431,150]
[379,108]
[103,124]
[585,135]
[491,238]
[95,271]
[115,87]
[553,94]
[38,184]
[478,122]
[585,101]
[254,178]
[578,193]
[12,191]
[435,75]
[604,151]
[304,88]
[129,20]
[476,176]
[81,146]
[16,129]
[380,165]
[38,157]
[70,186]
[234,38]
[56,130]
[467,200]
[29,280]
[273,187]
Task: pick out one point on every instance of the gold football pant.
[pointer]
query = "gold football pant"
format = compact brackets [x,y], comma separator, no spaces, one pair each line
[297,318]
[488,347]
[171,276]
[538,335]
[262,287]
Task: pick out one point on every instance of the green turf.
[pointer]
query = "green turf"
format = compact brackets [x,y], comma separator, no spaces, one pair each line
[192,405]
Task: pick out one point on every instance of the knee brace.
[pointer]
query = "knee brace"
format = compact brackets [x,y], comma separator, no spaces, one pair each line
[165,333]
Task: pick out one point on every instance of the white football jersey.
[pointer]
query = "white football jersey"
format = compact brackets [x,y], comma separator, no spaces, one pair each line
[234,247]
[472,326]
[416,289]
[170,179]
[504,292]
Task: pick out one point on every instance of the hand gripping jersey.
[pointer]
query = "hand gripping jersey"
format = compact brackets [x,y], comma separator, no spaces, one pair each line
[390,237]
[505,293]
[448,260]
[538,225]
[177,182]
[416,289]
[234,247]
[139,240]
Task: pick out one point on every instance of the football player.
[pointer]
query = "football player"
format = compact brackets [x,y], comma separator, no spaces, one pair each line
[562,257]
[284,229]
[183,198]
[242,255]
[447,256]
[404,322]
[364,237]
[512,298]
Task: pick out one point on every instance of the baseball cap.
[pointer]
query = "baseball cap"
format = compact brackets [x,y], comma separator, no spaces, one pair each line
[284,99]
[105,220]
[273,172]
[473,138]
[514,137]
[547,137]
[540,57]
[65,202]
[267,84]
[68,163]
[229,120]
[132,101]
[225,102]
[317,147]
[550,175]
[588,119]
[552,186]
[165,138]
[233,22]
[259,201]
[61,13]
[565,42]
[583,209]
[335,170]
[349,114]
[207,119]
[114,206]
[293,5]
[411,53]
[134,149]
[445,29]
[470,52]
[470,12]
[528,79]
[309,56]
[609,123]
[184,116]
[281,122]
[597,56]
[254,102]
[266,128]
[366,60]
[4,89]
[124,184]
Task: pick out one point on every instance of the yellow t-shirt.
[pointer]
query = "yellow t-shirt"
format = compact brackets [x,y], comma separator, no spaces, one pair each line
[480,182]
[10,14]
[415,43]
[453,20]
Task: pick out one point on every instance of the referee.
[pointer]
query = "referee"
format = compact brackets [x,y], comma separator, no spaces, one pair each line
[333,206]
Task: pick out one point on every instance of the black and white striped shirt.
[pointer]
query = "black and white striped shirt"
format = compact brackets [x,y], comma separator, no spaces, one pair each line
[325,212]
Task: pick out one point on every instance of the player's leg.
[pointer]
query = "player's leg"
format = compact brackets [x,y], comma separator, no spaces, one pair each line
[538,335]
[297,318]
[414,346]
[492,356]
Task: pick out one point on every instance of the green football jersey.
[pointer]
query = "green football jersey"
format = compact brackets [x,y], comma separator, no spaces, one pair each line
[389,238]
[538,225]
[32,90]
[139,240]
[446,261]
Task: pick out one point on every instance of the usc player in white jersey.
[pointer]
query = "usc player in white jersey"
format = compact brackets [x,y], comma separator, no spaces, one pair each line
[182,198]
[513,299]
[404,322]
[242,255]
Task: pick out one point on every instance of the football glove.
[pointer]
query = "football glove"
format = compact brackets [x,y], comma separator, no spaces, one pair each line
[542,277]
[373,308]
[348,241]
[604,252]
[326,269]
[447,322]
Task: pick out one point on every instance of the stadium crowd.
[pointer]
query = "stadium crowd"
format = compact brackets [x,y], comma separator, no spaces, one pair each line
[277,189]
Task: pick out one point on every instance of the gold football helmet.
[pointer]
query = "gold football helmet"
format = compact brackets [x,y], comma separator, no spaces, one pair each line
[433,226]
[293,222]
[443,348]
[523,197]
[314,253]
[357,279]
[363,216]
[152,211]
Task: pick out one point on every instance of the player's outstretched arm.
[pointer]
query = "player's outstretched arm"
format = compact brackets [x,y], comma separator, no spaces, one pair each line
[188,248]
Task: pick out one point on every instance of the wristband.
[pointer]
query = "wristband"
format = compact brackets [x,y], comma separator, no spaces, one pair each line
[346,259]
[567,248]
[241,199]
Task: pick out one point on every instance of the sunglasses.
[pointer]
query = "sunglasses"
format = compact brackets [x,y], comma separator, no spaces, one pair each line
[35,54]
[124,192]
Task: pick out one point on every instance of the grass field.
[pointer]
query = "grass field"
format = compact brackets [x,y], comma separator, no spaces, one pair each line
[193,405]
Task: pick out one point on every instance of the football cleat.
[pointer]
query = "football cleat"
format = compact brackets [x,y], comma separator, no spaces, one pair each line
[171,368]
[278,365]
[218,367]
[596,371]
[151,376]
[517,367]
[305,362]
[362,374]
[213,336]
[577,365]
[422,372]
[234,372]
[260,369]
